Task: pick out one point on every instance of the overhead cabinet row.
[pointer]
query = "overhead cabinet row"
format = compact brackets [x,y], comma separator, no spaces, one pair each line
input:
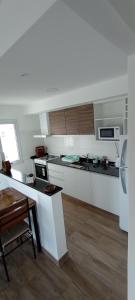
[76,120]
[86,119]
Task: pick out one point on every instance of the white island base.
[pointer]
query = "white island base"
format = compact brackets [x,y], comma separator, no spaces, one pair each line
[50,217]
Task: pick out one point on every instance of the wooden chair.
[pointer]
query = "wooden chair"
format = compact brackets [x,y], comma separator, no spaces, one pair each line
[13,230]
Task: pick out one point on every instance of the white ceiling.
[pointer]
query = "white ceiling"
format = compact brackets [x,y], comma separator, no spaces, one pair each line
[113,19]
[70,46]
[16,17]
[126,9]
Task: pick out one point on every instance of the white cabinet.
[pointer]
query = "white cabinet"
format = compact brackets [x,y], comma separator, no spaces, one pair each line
[111,113]
[77,184]
[56,174]
[105,192]
[97,189]
[44,123]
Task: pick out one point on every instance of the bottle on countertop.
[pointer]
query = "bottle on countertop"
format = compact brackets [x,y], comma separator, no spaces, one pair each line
[95,161]
[104,162]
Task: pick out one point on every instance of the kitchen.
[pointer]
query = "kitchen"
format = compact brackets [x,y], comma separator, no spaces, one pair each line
[63,126]
[103,153]
[85,166]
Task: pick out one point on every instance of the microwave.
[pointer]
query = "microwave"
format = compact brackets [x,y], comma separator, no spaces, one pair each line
[109,133]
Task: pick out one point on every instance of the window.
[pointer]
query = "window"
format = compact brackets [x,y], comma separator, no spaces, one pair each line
[9,141]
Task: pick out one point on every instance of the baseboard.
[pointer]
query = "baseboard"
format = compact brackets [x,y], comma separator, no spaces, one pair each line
[89,206]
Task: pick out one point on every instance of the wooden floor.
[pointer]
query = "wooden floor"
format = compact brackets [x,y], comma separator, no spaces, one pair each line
[95,270]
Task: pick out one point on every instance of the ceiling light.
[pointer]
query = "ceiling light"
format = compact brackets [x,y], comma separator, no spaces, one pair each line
[24,74]
[52,90]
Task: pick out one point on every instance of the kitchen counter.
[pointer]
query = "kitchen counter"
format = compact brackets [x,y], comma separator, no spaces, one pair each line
[49,211]
[88,167]
[38,185]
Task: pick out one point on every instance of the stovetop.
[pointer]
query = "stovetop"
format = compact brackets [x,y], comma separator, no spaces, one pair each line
[43,160]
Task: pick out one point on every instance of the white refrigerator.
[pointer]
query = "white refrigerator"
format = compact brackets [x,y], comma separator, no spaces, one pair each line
[123,218]
[1,151]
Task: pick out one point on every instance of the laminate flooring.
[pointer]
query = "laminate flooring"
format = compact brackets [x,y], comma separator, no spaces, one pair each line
[95,270]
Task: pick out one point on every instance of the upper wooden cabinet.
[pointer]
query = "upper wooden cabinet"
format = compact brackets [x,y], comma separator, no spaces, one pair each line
[86,119]
[72,120]
[75,120]
[57,122]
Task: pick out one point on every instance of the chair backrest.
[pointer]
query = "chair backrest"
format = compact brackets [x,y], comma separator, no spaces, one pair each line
[14,214]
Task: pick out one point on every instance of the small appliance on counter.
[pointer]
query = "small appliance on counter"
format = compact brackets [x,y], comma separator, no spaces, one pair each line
[40,151]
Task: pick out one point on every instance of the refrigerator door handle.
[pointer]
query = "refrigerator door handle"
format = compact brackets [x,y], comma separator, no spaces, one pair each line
[123,154]
[123,179]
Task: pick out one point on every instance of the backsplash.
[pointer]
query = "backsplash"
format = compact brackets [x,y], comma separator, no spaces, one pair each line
[80,145]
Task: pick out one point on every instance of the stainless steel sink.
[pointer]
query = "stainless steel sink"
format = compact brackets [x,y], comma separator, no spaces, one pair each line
[76,165]
[81,164]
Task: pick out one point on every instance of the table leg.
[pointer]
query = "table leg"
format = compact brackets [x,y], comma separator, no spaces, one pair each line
[36,228]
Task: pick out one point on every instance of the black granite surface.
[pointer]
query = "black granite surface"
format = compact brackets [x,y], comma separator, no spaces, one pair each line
[38,185]
[111,170]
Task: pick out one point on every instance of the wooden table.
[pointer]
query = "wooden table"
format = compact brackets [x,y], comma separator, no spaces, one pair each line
[9,196]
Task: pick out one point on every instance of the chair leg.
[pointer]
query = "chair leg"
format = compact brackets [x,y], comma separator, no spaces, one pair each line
[4,260]
[5,266]
[33,246]
[21,240]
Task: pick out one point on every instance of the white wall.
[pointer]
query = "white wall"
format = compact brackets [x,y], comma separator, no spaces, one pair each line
[27,126]
[131,172]
[109,89]
[81,145]
[102,90]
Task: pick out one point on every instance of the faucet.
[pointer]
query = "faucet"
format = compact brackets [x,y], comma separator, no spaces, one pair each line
[87,157]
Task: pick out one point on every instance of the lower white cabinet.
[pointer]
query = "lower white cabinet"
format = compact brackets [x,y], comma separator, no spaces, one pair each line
[56,174]
[105,192]
[97,189]
[77,184]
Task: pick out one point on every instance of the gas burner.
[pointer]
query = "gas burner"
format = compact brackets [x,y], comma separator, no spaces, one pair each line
[43,160]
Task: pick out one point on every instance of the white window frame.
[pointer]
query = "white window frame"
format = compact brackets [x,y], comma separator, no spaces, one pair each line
[15,123]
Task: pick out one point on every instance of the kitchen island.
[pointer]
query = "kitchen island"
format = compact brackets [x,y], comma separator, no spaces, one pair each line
[49,211]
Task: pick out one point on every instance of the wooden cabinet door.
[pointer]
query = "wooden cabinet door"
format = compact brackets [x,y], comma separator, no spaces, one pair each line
[75,120]
[57,122]
[86,119]
[72,120]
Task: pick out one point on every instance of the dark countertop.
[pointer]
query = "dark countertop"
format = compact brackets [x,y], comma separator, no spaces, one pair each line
[111,170]
[38,185]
